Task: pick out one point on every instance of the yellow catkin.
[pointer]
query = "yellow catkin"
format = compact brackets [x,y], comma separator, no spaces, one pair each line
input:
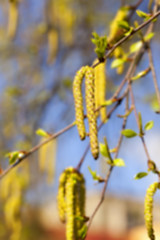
[116,32]
[13,18]
[71,227]
[71,202]
[52,45]
[90,107]
[78,101]
[100,89]
[62,192]
[148,208]
[80,201]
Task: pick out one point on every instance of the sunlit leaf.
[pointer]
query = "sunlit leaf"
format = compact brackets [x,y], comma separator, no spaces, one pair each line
[140,175]
[142,14]
[117,62]
[124,24]
[118,162]
[149,36]
[135,46]
[149,125]
[129,133]
[42,133]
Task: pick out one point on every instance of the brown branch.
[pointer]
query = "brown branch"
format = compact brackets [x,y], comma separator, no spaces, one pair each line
[102,196]
[154,75]
[137,120]
[35,148]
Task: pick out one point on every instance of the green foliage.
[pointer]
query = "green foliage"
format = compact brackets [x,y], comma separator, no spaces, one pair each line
[129,133]
[14,156]
[100,45]
[140,175]
[118,162]
[95,176]
[42,133]
[149,125]
[142,14]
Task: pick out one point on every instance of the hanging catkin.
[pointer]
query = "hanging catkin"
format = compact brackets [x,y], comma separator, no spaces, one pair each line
[90,107]
[71,227]
[100,89]
[148,208]
[13,18]
[78,101]
[62,193]
[116,32]
[71,202]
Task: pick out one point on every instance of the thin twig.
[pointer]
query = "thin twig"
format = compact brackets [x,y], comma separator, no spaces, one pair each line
[102,196]
[35,148]
[137,120]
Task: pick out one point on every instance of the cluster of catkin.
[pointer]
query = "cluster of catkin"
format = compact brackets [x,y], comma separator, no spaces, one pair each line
[71,202]
[148,208]
[94,96]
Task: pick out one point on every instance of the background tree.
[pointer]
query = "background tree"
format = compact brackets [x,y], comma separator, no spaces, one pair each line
[42,46]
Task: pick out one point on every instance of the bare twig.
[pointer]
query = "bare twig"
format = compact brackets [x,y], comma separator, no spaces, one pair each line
[35,148]
[102,196]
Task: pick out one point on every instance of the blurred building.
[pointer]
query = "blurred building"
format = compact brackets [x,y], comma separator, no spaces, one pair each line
[117,219]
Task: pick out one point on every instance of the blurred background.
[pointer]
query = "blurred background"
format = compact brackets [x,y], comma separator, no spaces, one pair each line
[42,44]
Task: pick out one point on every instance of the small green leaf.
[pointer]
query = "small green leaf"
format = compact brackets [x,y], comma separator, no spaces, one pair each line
[142,14]
[117,62]
[141,74]
[140,175]
[129,32]
[118,162]
[124,24]
[135,46]
[42,133]
[95,176]
[149,125]
[129,133]
[149,36]
[103,150]
[14,156]
[82,232]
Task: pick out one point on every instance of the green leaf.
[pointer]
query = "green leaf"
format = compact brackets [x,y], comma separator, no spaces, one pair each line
[140,175]
[135,46]
[100,45]
[104,150]
[95,176]
[42,133]
[142,14]
[129,133]
[117,62]
[118,162]
[82,232]
[14,156]
[141,74]
[149,36]
[149,125]
[129,32]
[124,24]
